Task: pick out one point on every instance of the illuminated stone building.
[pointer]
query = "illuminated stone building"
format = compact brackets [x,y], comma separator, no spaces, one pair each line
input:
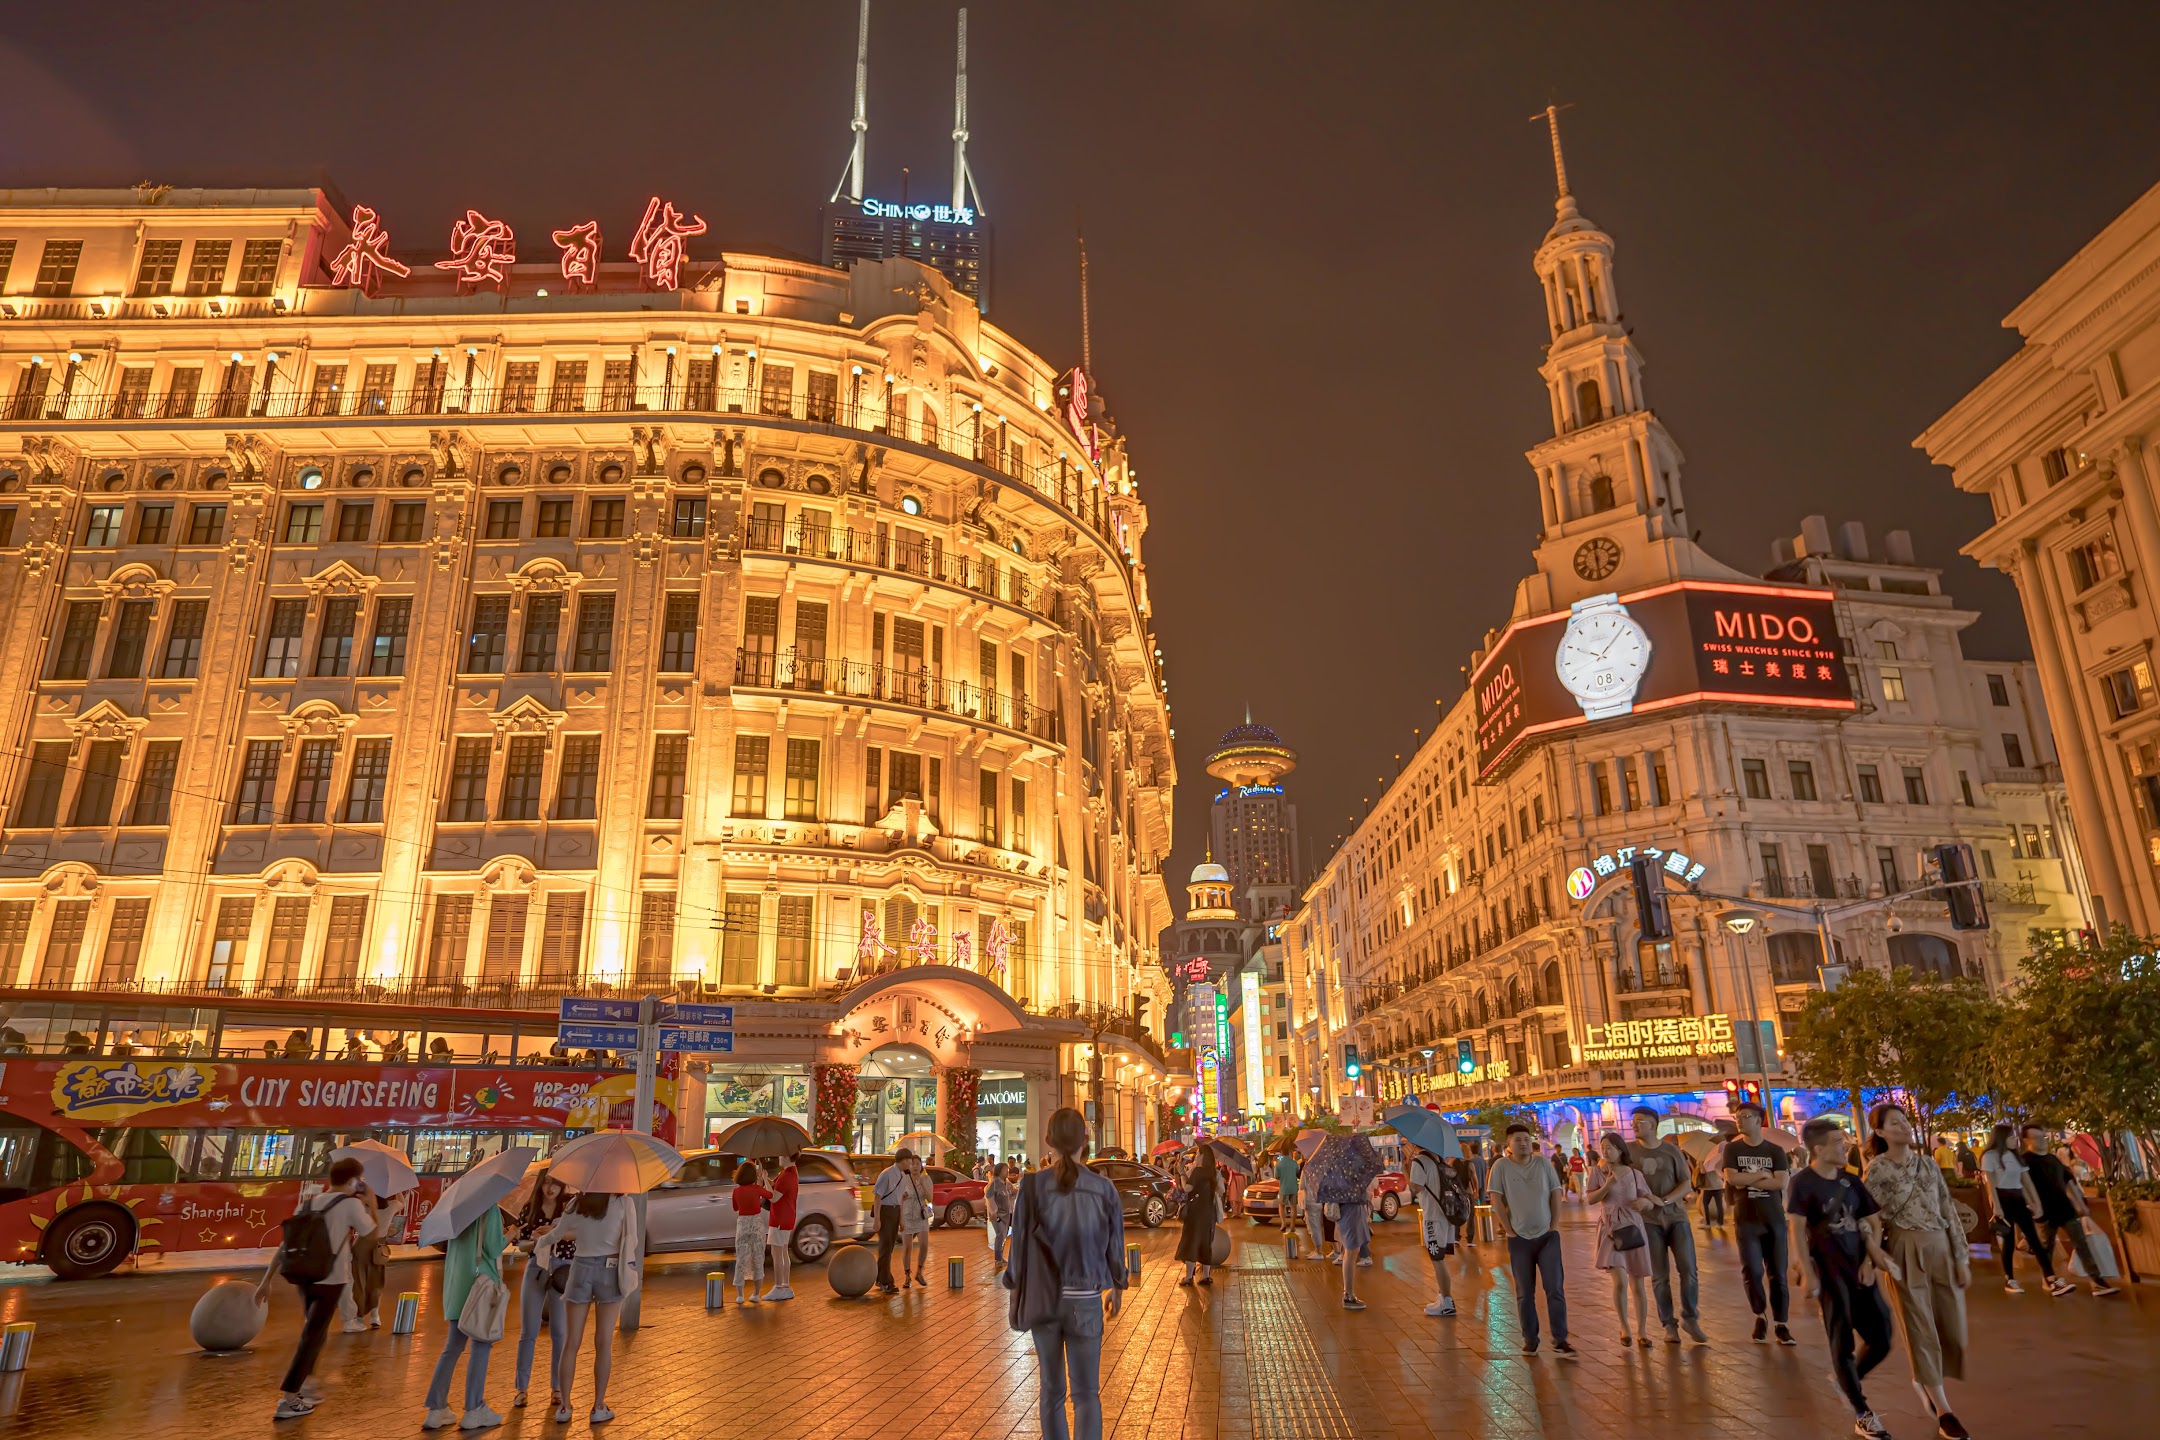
[1783,742]
[452,624]
[2060,439]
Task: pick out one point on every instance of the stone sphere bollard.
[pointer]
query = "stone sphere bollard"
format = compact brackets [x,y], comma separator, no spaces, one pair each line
[1219,1246]
[228,1317]
[851,1271]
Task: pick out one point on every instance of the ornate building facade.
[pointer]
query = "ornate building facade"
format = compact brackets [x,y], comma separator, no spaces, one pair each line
[1788,747]
[2060,440]
[718,624]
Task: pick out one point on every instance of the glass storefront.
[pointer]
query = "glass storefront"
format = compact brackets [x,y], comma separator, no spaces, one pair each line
[731,1096]
[1001,1116]
[896,1092]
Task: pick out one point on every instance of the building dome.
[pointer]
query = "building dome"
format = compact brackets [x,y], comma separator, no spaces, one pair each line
[1249,734]
[1250,755]
[1209,873]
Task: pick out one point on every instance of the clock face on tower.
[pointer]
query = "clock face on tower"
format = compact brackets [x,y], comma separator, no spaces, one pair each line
[1598,558]
[1603,654]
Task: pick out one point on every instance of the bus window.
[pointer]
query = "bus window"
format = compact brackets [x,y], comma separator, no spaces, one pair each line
[261,1154]
[151,1157]
[34,1159]
[467,1047]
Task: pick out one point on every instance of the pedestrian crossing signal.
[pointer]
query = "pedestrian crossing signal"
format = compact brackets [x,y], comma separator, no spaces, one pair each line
[1350,1065]
[1465,1057]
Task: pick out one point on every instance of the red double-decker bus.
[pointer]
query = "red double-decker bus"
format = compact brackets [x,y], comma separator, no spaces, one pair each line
[132,1127]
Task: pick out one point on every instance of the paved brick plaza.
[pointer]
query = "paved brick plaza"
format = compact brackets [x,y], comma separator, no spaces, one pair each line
[1265,1353]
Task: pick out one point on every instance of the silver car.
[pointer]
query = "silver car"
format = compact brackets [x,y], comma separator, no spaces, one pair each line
[694,1211]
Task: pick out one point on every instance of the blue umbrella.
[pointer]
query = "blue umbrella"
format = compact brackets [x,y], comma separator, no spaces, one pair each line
[1425,1129]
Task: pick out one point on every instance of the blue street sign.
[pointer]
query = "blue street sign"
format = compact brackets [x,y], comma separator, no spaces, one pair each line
[597,1037]
[697,1037]
[717,1017]
[614,1012]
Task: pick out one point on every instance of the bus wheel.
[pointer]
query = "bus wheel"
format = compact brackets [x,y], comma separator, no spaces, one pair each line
[89,1241]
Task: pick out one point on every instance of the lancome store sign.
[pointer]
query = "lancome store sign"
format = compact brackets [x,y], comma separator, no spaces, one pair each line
[1684,643]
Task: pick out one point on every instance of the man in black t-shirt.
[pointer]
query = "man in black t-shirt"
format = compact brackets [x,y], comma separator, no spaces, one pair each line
[2062,1209]
[1755,1170]
[1832,1219]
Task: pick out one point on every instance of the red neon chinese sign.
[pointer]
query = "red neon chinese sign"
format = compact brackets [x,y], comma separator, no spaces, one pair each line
[363,263]
[580,246]
[480,250]
[658,244]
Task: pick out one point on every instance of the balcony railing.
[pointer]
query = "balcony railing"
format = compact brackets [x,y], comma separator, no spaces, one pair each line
[1777,886]
[1631,982]
[52,400]
[923,559]
[921,688]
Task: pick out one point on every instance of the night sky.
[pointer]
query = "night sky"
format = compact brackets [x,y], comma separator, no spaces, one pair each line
[1310,230]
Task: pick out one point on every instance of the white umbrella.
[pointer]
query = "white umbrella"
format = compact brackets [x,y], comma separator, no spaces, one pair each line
[615,1162]
[386,1171]
[469,1197]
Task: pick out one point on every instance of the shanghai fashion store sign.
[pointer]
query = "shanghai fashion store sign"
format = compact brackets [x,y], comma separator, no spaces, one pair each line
[1666,1037]
[1685,643]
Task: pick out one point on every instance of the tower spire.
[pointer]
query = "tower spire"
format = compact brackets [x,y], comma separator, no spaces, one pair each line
[1087,338]
[1563,198]
[851,174]
[963,179]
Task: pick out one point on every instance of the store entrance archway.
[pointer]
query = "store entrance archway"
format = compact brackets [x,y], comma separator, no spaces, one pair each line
[896,1091]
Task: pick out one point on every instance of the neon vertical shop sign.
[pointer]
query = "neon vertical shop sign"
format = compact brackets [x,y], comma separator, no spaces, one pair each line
[1255,1082]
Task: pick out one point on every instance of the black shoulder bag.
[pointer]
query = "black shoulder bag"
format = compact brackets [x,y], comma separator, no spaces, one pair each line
[1038,1286]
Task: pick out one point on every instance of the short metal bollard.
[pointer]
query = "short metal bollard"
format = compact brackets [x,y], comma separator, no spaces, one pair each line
[715,1289]
[407,1316]
[1289,1244]
[1132,1262]
[1485,1224]
[956,1273]
[15,1345]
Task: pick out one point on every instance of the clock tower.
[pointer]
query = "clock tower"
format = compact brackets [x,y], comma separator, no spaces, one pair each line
[1613,515]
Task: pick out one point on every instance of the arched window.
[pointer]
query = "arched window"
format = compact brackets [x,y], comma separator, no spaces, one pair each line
[1484,1011]
[1795,957]
[1549,984]
[1929,955]
[1590,401]
[1514,997]
[1601,493]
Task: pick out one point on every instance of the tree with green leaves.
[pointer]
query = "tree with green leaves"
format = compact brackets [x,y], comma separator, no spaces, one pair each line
[1500,1115]
[1894,1030]
[2080,1045]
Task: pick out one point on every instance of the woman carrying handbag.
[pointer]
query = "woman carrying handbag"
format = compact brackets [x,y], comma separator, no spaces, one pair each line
[1622,1244]
[475,1300]
[1068,1263]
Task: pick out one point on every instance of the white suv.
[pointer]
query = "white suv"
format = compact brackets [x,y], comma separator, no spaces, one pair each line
[694,1210]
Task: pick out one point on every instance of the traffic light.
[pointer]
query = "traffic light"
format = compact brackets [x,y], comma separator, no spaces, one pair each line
[1651,916]
[1750,1091]
[1732,1093]
[1350,1066]
[1968,906]
[1465,1057]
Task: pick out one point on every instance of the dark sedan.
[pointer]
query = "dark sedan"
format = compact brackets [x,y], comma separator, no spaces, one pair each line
[1144,1190]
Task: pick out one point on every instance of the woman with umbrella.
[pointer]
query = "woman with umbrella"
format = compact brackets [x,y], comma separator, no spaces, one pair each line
[600,1241]
[537,1295]
[467,1221]
[1203,1206]
[1341,1176]
[388,1178]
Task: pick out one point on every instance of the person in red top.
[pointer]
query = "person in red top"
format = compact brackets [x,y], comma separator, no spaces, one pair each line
[782,1226]
[751,1200]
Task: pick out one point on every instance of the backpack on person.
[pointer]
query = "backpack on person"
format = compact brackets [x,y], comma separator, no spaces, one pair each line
[1448,1193]
[305,1254]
